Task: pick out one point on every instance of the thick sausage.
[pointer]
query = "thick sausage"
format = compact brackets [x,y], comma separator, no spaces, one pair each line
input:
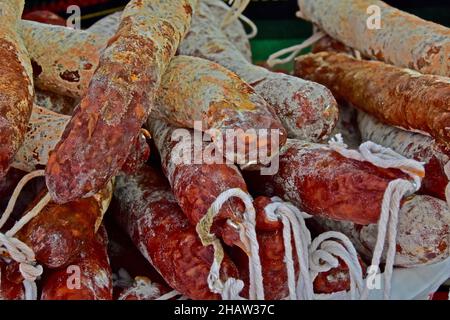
[16,84]
[411,145]
[395,96]
[402,39]
[97,140]
[322,182]
[307,110]
[149,213]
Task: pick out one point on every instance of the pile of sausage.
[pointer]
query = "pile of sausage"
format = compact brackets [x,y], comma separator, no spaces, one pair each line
[96,112]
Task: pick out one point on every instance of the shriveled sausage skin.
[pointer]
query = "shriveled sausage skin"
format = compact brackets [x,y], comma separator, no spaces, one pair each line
[324,183]
[149,213]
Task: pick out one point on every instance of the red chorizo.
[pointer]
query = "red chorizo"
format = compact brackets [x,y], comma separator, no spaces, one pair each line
[395,96]
[149,213]
[307,110]
[56,235]
[95,276]
[401,39]
[196,185]
[97,140]
[16,84]
[322,182]
[411,145]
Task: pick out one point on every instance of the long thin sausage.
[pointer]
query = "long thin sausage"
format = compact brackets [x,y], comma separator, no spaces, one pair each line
[401,39]
[306,109]
[395,96]
[97,140]
[16,84]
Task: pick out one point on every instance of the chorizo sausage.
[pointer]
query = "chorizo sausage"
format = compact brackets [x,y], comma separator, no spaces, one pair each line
[307,110]
[323,182]
[196,185]
[398,97]
[402,39]
[148,211]
[9,290]
[95,275]
[423,232]
[411,145]
[16,84]
[97,140]
[56,235]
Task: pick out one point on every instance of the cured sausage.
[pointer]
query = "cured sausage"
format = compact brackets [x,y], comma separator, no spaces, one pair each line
[196,185]
[306,110]
[423,232]
[68,68]
[398,97]
[57,234]
[149,213]
[97,140]
[401,39]
[411,145]
[194,89]
[45,130]
[322,182]
[16,84]
[88,278]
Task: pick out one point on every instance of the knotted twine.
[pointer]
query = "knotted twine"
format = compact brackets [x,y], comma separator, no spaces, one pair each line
[395,191]
[320,255]
[232,287]
[16,249]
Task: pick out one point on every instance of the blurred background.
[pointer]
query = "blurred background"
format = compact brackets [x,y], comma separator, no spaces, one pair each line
[278,27]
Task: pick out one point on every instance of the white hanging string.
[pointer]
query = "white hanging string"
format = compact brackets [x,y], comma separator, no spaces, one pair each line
[274,59]
[395,191]
[293,221]
[18,250]
[324,251]
[232,287]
